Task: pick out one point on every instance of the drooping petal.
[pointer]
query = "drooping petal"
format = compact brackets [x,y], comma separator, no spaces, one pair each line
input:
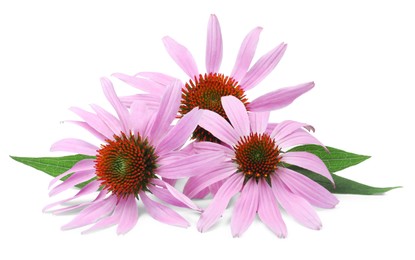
[152,101]
[181,56]
[279,98]
[94,121]
[295,205]
[162,213]
[86,164]
[92,213]
[141,83]
[101,196]
[198,183]
[201,147]
[169,106]
[307,188]
[308,161]
[111,121]
[298,137]
[270,128]
[236,112]
[178,195]
[286,128]
[268,210]
[259,121]
[74,179]
[214,48]
[219,127]
[74,145]
[164,195]
[180,133]
[88,128]
[246,54]
[263,67]
[245,209]
[232,186]
[87,189]
[160,78]
[191,165]
[108,221]
[129,215]
[121,110]
[216,186]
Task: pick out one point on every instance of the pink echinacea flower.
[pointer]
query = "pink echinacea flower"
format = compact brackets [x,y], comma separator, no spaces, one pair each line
[138,149]
[204,90]
[256,166]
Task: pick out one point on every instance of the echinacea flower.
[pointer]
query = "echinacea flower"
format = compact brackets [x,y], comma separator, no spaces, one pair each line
[256,167]
[137,150]
[204,90]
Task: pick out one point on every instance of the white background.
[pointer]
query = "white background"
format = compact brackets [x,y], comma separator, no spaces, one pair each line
[359,53]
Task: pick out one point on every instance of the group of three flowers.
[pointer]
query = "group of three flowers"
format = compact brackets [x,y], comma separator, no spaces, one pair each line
[235,150]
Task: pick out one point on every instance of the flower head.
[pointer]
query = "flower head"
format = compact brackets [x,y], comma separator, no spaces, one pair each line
[204,90]
[256,166]
[139,152]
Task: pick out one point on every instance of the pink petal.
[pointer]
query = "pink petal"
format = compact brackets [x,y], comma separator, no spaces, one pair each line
[178,195]
[263,67]
[92,213]
[286,128]
[140,83]
[89,129]
[245,209]
[139,117]
[236,112]
[191,165]
[219,127]
[164,195]
[296,206]
[268,210]
[299,137]
[181,56]
[74,146]
[94,121]
[270,128]
[121,110]
[157,77]
[87,189]
[201,147]
[214,48]
[259,121]
[307,161]
[108,221]
[162,213]
[169,106]
[111,121]
[279,98]
[86,164]
[74,179]
[101,196]
[202,194]
[232,186]
[129,215]
[216,186]
[307,188]
[197,184]
[180,133]
[246,54]
[152,101]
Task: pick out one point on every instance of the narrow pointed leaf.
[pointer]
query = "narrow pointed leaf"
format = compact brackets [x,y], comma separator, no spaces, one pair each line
[53,165]
[343,185]
[335,159]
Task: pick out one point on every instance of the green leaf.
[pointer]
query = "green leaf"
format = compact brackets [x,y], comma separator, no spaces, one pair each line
[343,185]
[54,165]
[336,159]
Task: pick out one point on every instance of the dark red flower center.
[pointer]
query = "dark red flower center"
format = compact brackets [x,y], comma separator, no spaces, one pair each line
[257,156]
[126,164]
[205,92]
